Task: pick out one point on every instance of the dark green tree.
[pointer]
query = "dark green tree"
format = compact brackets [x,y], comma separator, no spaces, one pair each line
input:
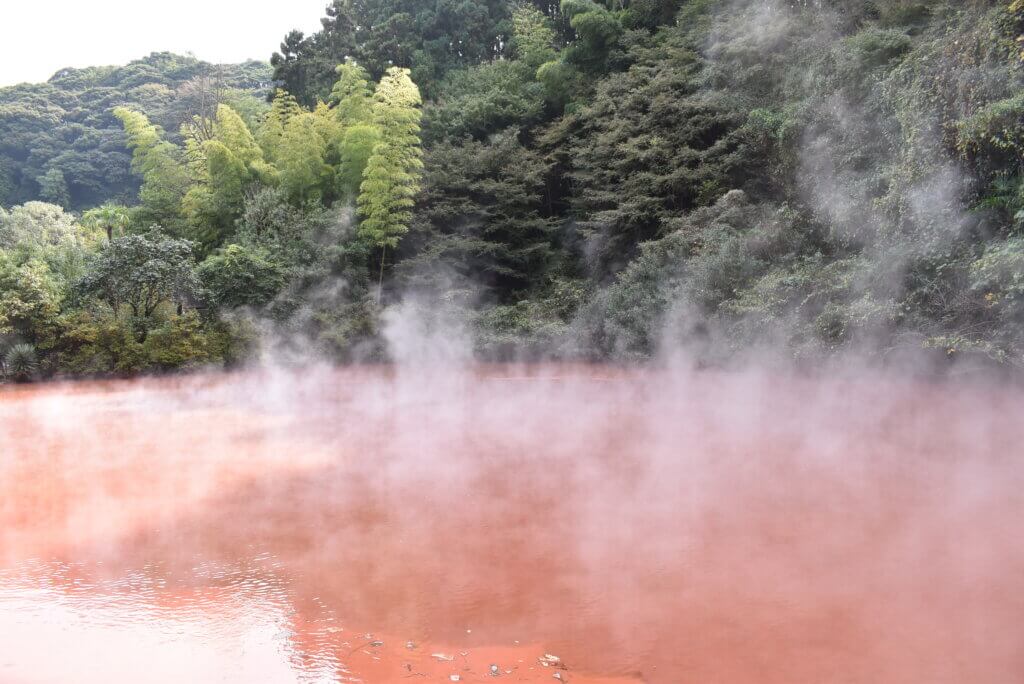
[482,216]
[54,189]
[137,274]
[238,276]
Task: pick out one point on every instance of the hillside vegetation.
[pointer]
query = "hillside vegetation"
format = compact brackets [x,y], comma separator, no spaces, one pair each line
[60,142]
[584,179]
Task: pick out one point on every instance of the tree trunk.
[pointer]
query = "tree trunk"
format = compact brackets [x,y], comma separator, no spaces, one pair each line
[380,281]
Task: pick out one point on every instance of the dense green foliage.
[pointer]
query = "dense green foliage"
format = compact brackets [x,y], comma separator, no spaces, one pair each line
[589,178]
[60,142]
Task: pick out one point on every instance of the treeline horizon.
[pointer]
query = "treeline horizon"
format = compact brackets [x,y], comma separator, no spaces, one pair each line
[584,179]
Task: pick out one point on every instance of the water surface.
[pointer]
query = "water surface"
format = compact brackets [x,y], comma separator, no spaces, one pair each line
[390,526]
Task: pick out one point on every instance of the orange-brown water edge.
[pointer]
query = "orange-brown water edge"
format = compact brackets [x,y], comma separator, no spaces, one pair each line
[392,526]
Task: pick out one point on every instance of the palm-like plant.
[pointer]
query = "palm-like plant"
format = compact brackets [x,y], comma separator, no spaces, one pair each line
[21,362]
[111,218]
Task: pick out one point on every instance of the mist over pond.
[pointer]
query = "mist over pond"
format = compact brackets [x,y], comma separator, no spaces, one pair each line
[598,341]
[640,525]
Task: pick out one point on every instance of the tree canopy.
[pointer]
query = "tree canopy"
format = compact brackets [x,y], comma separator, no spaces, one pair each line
[586,178]
[60,142]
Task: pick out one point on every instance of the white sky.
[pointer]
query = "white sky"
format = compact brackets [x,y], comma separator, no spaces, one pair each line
[40,37]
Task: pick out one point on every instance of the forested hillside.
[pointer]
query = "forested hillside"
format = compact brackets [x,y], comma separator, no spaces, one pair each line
[584,179]
[60,142]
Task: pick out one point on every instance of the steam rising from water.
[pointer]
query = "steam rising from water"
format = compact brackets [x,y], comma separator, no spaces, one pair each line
[660,526]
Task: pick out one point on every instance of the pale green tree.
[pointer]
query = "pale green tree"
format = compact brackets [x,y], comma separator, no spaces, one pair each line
[29,299]
[36,225]
[283,109]
[533,37]
[45,232]
[352,100]
[392,176]
[230,129]
[352,95]
[357,145]
[165,178]
[301,164]
[222,168]
[329,129]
